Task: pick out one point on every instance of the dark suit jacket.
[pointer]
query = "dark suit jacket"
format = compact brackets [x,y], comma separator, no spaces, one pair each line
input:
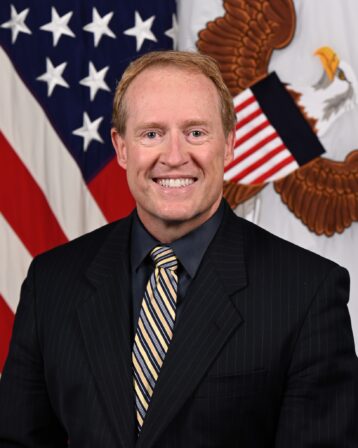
[263,354]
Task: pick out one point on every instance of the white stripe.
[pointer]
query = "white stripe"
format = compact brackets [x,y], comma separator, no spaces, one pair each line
[288,169]
[247,111]
[252,158]
[254,140]
[243,96]
[27,129]
[14,262]
[248,127]
[265,167]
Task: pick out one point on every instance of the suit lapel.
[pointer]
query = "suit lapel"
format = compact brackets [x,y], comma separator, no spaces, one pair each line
[208,318]
[105,319]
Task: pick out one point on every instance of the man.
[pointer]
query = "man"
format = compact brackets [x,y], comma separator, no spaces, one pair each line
[181,325]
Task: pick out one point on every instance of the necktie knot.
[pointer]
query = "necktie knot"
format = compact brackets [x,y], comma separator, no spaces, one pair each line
[164,257]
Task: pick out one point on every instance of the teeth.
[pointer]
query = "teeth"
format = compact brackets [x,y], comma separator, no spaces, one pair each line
[175,183]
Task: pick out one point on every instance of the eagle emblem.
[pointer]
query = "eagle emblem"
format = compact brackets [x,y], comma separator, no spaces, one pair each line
[323,193]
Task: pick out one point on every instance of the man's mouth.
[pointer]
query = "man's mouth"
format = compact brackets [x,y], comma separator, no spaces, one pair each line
[175,183]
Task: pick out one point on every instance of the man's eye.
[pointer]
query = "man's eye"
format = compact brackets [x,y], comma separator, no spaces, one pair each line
[196,133]
[151,134]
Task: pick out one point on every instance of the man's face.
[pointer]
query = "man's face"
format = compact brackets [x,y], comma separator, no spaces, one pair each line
[174,148]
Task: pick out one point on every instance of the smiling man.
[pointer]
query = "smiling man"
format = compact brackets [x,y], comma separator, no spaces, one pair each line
[181,325]
[173,143]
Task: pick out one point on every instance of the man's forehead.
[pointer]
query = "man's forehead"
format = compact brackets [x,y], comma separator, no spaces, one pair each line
[180,87]
[167,92]
[161,72]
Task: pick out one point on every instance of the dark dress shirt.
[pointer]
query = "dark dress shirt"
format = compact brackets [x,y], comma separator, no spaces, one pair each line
[189,250]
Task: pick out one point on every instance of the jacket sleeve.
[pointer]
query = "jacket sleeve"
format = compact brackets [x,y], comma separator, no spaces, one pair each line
[320,403]
[26,416]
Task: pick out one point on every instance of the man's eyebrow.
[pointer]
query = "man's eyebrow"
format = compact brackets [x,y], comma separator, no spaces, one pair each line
[157,124]
[148,125]
[195,122]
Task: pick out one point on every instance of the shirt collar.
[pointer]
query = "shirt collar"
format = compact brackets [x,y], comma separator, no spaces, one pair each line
[189,249]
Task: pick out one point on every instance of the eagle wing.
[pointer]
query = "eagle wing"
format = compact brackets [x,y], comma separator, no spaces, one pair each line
[243,40]
[236,194]
[323,194]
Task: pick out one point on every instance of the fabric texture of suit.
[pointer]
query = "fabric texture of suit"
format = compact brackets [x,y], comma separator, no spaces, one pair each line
[263,354]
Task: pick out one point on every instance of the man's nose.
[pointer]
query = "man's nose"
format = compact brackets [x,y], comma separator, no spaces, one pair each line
[175,152]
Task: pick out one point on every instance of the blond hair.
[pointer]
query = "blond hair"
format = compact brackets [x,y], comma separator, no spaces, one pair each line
[189,61]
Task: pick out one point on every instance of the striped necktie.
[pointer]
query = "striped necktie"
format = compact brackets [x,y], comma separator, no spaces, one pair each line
[155,327]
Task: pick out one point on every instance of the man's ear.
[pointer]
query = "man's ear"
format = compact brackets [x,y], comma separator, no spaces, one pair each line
[120,148]
[229,148]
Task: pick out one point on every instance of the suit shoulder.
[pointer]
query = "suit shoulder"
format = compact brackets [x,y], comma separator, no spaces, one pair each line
[278,249]
[83,248]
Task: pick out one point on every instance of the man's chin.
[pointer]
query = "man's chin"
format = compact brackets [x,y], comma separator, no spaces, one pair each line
[177,218]
[175,214]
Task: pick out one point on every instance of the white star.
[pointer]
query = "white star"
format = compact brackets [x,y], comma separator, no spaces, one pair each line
[89,131]
[58,26]
[173,32]
[141,30]
[95,80]
[99,26]
[53,76]
[17,23]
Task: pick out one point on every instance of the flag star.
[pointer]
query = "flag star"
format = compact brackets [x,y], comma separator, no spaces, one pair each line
[95,80]
[89,130]
[141,30]
[173,32]
[17,23]
[53,76]
[99,26]
[58,26]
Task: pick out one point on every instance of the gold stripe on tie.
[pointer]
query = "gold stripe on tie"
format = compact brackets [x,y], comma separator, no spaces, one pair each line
[155,327]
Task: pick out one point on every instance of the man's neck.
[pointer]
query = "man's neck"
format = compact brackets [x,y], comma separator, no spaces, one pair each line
[168,231]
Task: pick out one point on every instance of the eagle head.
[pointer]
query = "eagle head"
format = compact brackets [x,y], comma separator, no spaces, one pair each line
[334,94]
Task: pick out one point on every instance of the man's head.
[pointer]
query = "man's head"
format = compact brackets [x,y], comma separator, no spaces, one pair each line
[173,132]
[187,61]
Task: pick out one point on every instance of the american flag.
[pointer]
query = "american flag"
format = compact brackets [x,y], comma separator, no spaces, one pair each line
[272,137]
[59,64]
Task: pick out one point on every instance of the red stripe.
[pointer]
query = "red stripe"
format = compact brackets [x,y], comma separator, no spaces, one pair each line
[24,205]
[110,190]
[6,324]
[250,151]
[250,134]
[244,104]
[258,163]
[273,170]
[248,118]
